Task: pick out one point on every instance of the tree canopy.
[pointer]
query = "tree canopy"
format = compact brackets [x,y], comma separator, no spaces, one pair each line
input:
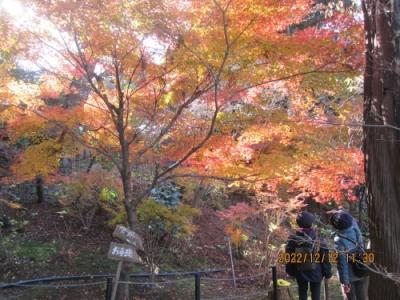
[164,90]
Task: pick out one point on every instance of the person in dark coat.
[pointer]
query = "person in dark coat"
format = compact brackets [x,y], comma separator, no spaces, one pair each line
[306,236]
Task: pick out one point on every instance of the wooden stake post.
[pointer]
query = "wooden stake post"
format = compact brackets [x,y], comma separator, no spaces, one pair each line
[232,265]
[124,252]
[114,291]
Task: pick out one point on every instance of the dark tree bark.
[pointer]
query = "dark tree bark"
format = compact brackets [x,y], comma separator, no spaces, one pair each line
[39,189]
[381,144]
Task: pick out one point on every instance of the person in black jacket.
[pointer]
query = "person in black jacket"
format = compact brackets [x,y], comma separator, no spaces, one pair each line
[310,273]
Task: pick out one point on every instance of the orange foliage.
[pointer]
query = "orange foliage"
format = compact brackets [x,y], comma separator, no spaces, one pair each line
[334,176]
[142,111]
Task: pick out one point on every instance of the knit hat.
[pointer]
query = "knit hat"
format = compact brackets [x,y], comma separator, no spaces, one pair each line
[341,220]
[305,219]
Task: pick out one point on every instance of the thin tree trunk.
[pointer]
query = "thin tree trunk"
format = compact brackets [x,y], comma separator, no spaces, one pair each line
[123,289]
[126,177]
[91,163]
[360,206]
[381,146]
[128,200]
[39,189]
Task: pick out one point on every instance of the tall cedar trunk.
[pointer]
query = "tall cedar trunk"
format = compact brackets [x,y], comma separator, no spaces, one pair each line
[381,145]
[39,189]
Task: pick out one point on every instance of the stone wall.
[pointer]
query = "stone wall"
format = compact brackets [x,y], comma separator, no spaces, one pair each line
[26,192]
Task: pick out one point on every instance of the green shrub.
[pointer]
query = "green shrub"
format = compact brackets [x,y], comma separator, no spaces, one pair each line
[172,220]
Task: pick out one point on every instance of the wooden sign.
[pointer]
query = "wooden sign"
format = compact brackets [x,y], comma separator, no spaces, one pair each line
[128,236]
[123,252]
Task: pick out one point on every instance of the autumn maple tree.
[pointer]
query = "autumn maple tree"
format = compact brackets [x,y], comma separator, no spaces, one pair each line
[157,83]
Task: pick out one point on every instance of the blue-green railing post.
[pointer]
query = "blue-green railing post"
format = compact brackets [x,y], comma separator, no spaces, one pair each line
[109,288]
[197,291]
[274,283]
